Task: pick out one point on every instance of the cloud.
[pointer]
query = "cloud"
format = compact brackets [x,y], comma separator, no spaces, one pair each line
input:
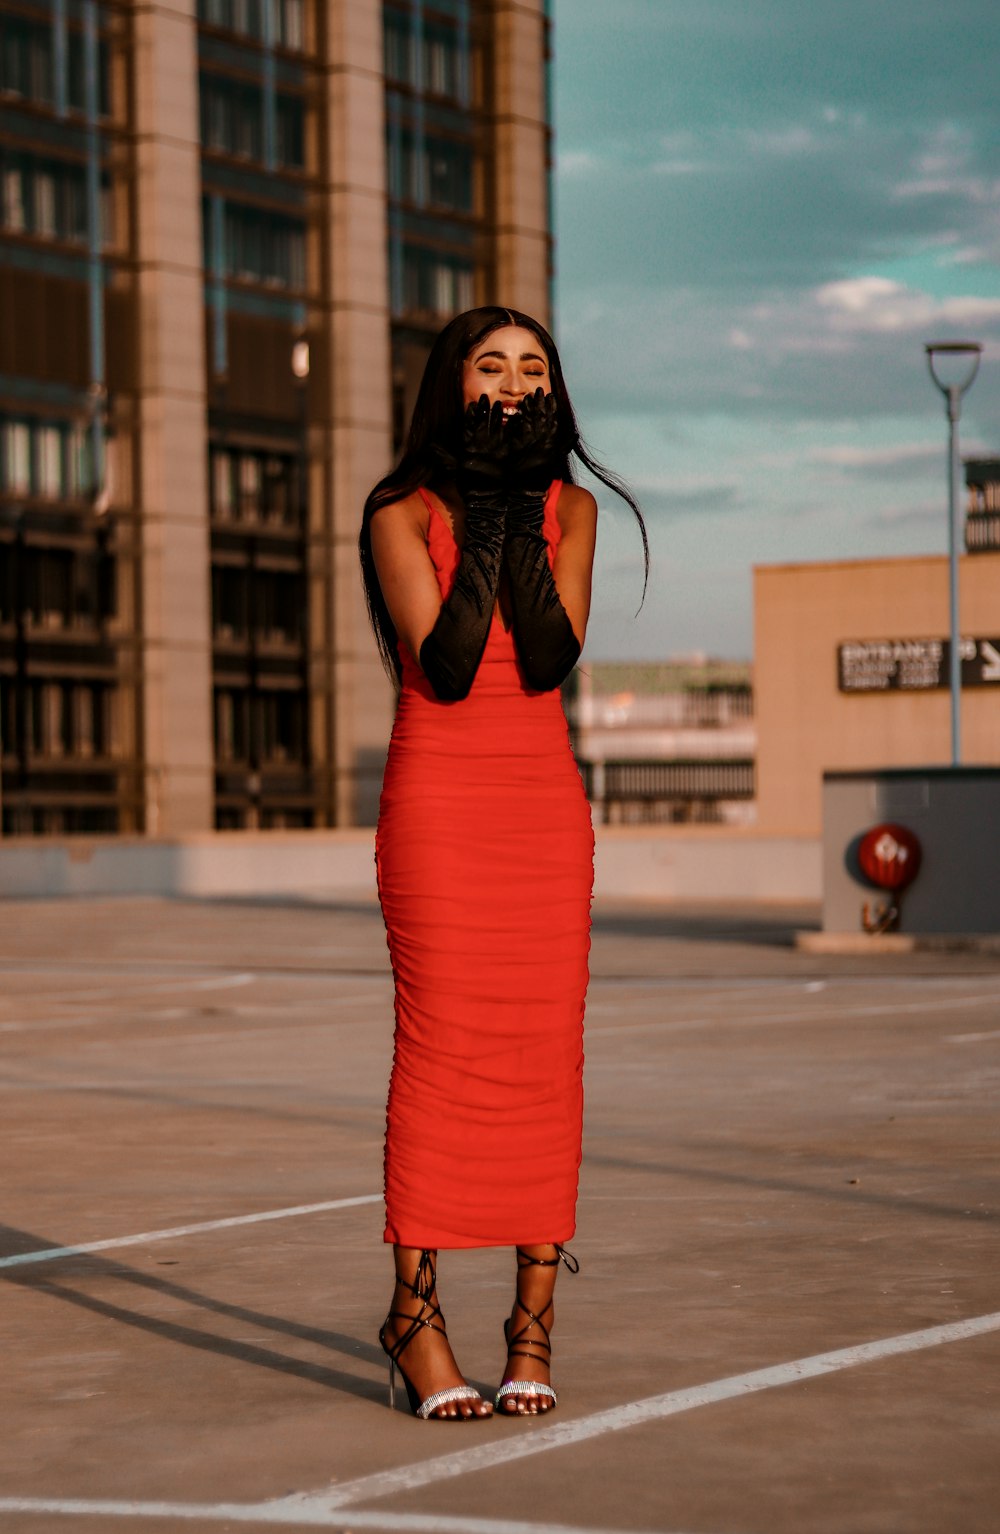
[894,458]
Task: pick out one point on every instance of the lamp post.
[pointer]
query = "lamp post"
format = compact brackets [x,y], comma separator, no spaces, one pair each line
[953,366]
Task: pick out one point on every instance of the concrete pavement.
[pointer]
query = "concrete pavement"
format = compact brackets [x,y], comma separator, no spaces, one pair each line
[787,1319]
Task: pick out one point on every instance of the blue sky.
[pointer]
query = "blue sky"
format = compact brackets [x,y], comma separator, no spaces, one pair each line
[763,211]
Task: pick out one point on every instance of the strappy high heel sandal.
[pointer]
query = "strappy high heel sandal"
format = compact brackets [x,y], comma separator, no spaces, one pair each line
[518,1342]
[422,1289]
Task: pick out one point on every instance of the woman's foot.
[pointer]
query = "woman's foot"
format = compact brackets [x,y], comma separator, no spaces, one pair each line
[425,1360]
[528,1333]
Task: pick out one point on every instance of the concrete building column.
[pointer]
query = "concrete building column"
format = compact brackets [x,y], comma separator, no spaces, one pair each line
[358,425]
[175,607]
[521,144]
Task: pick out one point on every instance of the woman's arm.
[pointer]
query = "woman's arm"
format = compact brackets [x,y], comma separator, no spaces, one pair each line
[448,638]
[573,567]
[549,606]
[405,572]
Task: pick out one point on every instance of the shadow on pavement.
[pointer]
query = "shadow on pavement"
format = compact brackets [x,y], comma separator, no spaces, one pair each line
[87,1267]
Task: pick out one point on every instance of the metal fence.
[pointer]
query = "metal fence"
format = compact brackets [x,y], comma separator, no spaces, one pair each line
[666,790]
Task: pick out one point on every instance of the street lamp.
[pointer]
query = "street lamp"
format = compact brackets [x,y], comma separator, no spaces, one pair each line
[953,366]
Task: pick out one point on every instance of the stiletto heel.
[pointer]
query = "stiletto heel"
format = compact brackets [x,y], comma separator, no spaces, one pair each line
[519,1342]
[422,1289]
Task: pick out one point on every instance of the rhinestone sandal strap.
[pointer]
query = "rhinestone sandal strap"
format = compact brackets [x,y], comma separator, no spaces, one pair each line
[524,1388]
[444,1397]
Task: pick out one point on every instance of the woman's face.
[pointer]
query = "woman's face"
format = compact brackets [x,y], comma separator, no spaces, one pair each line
[506,365]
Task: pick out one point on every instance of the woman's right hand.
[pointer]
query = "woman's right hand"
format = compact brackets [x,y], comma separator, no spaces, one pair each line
[482,468]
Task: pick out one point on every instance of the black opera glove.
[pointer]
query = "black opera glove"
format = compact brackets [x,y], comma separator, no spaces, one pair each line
[451,653]
[531,443]
[545,640]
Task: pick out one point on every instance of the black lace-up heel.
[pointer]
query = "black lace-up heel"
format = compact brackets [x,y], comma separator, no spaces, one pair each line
[519,1342]
[422,1289]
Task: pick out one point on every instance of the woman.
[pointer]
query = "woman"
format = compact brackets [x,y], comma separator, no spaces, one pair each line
[477,553]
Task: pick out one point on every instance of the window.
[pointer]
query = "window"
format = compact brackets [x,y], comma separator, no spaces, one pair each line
[443,57]
[47,198]
[229,602]
[277,606]
[17,457]
[266,486]
[25,59]
[247,17]
[398,55]
[286,19]
[44,458]
[449,175]
[232,712]
[290,146]
[291,32]
[51,478]
[265,247]
[14,215]
[441,62]
[436,283]
[222,485]
[27,67]
[282,719]
[249,482]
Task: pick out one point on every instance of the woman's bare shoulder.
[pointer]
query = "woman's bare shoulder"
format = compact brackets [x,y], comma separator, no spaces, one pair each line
[577,507]
[397,518]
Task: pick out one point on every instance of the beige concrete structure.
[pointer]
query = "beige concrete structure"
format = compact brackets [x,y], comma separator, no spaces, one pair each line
[522,156]
[176,621]
[660,863]
[806,725]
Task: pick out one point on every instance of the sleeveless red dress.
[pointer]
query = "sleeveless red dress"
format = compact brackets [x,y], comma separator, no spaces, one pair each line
[485,857]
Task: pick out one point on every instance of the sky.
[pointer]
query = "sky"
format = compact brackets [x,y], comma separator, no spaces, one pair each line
[763,212]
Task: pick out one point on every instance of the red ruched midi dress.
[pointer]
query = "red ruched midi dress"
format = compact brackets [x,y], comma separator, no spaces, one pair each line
[485,857]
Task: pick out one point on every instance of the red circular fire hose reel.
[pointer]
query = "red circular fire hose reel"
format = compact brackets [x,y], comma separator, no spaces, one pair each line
[889,856]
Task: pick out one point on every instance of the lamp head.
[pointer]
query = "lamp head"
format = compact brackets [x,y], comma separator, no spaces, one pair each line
[953,364]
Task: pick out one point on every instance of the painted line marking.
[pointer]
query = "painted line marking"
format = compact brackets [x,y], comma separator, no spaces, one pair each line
[833,1014]
[327,1509]
[286,1512]
[51,1253]
[426,1472]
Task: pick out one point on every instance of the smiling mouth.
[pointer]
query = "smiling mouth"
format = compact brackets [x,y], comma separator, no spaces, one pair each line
[510,411]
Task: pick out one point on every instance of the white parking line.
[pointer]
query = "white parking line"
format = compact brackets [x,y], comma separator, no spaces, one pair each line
[664,1025]
[337,1508]
[288,1513]
[50,1253]
[407,1478]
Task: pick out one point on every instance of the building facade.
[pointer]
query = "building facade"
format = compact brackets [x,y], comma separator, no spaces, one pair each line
[228,233]
[851,672]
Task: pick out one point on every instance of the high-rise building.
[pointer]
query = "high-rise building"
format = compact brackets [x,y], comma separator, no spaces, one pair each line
[228,233]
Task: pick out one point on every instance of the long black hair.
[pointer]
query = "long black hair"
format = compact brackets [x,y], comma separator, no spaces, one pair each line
[437,423]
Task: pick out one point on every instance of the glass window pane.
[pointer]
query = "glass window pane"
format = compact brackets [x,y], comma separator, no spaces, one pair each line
[293,32]
[44,201]
[17,457]
[249,484]
[50,462]
[13,198]
[222,485]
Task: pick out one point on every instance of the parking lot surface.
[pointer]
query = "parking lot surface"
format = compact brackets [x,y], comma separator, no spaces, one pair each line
[787,1317]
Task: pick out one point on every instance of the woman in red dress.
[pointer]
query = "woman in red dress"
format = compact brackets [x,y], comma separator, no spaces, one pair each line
[477,553]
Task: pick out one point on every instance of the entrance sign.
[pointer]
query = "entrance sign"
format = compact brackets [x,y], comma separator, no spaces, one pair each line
[914,665]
